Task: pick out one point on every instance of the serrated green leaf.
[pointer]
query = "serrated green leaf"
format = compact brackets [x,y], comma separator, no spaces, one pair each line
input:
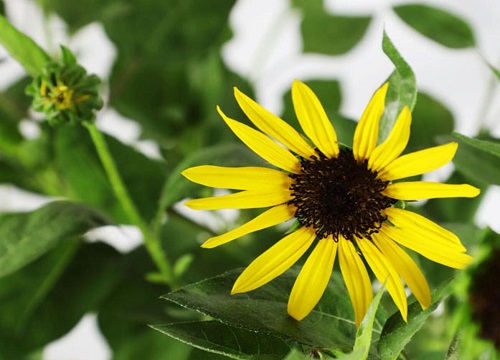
[396,333]
[478,159]
[437,24]
[236,343]
[22,48]
[402,88]
[45,299]
[329,34]
[329,326]
[26,236]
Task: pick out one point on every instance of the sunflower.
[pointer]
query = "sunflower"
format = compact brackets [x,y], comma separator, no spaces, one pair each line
[343,200]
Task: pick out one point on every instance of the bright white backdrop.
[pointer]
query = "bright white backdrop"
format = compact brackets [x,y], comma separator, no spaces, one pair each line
[267,49]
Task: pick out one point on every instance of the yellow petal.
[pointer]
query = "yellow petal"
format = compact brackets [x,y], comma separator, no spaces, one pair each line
[406,267]
[356,279]
[275,261]
[274,216]
[273,126]
[419,162]
[395,143]
[313,119]
[426,246]
[386,274]
[366,133]
[313,279]
[423,227]
[249,199]
[418,190]
[262,145]
[239,178]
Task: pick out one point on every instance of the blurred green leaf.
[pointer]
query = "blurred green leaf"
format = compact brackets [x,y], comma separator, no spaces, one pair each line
[478,159]
[364,333]
[263,310]
[437,24]
[396,333]
[45,299]
[26,236]
[236,343]
[76,160]
[328,34]
[134,303]
[402,88]
[22,48]
[430,120]
[495,71]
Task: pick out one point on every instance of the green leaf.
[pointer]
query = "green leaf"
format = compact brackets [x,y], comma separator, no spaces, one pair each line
[430,120]
[328,34]
[402,88]
[26,236]
[365,331]
[489,147]
[22,48]
[478,159]
[439,25]
[263,310]
[397,333]
[45,299]
[133,304]
[236,343]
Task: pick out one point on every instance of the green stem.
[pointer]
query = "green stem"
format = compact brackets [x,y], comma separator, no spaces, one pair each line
[151,242]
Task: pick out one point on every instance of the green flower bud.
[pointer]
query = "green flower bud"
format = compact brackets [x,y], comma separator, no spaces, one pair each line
[65,93]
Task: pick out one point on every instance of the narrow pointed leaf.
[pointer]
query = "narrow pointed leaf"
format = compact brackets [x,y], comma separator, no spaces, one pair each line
[31,56]
[402,88]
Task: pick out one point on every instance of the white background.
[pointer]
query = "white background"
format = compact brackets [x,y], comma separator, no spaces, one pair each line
[267,49]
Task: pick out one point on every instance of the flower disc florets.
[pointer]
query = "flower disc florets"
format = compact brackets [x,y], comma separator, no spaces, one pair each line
[64,92]
[339,197]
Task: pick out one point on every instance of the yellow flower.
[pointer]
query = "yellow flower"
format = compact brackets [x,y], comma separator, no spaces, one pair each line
[342,198]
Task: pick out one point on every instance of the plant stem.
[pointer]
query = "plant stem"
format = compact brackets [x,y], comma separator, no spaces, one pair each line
[151,242]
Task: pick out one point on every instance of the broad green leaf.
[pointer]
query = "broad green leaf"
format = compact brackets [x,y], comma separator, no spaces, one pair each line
[45,299]
[26,236]
[402,88]
[478,159]
[437,24]
[296,355]
[22,48]
[235,343]
[396,333]
[328,34]
[263,310]
[430,120]
[364,333]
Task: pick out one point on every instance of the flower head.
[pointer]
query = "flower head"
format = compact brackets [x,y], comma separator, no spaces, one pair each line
[343,200]
[64,91]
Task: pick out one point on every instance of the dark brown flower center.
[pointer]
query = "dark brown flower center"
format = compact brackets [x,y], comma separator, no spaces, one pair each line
[339,196]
